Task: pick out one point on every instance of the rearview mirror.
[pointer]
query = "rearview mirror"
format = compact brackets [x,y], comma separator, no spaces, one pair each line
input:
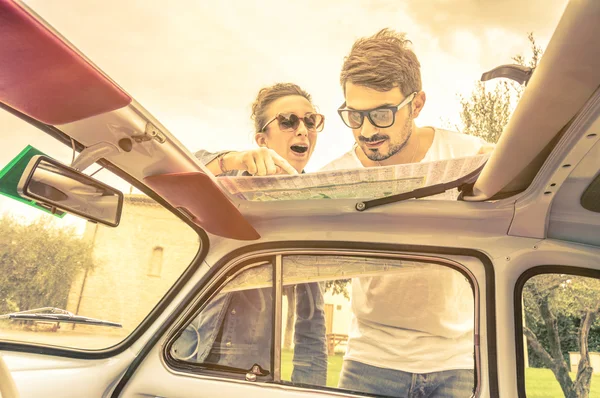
[56,186]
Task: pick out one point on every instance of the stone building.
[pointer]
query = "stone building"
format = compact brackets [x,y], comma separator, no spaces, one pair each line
[136,263]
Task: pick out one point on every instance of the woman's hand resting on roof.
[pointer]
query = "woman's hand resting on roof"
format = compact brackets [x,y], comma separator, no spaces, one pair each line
[258,162]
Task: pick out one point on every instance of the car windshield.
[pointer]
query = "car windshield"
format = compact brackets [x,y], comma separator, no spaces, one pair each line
[199,68]
[74,283]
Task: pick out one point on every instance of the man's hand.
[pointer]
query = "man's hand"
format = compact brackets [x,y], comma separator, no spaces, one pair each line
[258,162]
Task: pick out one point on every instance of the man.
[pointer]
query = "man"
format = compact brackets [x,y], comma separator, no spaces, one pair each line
[382,75]
[430,355]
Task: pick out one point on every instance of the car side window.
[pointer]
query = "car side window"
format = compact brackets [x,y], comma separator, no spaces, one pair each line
[324,317]
[561,332]
[234,329]
[358,321]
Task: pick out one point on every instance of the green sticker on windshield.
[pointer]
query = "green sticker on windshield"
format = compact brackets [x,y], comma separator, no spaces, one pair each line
[11,174]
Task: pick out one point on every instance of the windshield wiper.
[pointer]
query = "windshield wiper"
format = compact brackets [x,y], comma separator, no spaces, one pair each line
[463,183]
[57,315]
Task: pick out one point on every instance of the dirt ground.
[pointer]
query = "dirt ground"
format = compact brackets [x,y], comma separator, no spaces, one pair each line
[66,336]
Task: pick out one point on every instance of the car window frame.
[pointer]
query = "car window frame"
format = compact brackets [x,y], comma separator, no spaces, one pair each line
[231,264]
[518,309]
[202,300]
[161,305]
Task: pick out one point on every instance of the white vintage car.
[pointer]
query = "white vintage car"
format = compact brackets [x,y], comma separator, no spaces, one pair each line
[129,270]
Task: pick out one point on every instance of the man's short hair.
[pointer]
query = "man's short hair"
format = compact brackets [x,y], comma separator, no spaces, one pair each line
[382,62]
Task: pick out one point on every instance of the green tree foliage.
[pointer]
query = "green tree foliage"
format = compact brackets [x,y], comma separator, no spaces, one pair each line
[561,311]
[38,263]
[338,286]
[486,112]
[568,330]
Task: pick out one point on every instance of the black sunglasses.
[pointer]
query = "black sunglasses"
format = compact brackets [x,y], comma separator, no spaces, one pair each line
[290,121]
[381,117]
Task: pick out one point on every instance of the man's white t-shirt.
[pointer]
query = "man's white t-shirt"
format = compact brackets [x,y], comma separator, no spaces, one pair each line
[421,320]
[446,145]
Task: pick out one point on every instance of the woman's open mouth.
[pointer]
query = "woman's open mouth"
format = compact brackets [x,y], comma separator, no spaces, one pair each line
[299,149]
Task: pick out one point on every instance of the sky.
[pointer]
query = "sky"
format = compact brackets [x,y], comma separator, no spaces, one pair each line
[198,65]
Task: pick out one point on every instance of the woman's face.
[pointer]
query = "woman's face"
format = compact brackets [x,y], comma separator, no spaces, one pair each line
[295,146]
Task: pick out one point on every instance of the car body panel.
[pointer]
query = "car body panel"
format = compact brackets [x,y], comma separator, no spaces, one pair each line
[497,240]
[39,375]
[565,79]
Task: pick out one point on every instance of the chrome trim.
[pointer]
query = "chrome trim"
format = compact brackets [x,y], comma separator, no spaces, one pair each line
[279,253]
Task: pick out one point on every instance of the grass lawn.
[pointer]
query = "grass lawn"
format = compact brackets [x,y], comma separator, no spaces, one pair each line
[334,367]
[539,383]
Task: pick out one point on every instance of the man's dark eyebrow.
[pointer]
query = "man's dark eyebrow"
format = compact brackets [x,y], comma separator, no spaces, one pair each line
[377,107]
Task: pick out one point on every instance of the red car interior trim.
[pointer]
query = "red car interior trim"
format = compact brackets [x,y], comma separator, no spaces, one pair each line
[204,203]
[42,77]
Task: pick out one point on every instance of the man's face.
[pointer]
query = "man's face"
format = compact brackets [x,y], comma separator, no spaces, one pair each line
[380,143]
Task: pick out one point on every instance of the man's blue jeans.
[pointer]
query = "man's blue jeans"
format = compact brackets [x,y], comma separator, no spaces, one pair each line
[357,376]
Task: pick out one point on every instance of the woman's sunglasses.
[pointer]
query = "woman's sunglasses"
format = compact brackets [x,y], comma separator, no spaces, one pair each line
[290,121]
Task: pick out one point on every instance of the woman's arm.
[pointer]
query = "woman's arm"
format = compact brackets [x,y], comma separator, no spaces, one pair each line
[260,161]
[211,161]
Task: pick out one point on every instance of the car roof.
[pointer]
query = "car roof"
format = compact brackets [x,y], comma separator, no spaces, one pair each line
[552,124]
[564,82]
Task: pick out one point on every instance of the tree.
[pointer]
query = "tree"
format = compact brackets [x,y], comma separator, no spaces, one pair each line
[548,297]
[38,263]
[338,286]
[486,112]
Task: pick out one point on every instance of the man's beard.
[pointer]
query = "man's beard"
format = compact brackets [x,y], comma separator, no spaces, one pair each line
[376,155]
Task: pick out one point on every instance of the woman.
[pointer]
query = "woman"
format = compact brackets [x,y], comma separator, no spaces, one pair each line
[235,329]
[286,126]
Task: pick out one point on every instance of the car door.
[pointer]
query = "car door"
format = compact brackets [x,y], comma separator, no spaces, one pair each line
[326,272]
[498,273]
[178,291]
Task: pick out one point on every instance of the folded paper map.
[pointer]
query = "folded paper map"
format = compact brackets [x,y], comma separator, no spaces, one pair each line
[363,183]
